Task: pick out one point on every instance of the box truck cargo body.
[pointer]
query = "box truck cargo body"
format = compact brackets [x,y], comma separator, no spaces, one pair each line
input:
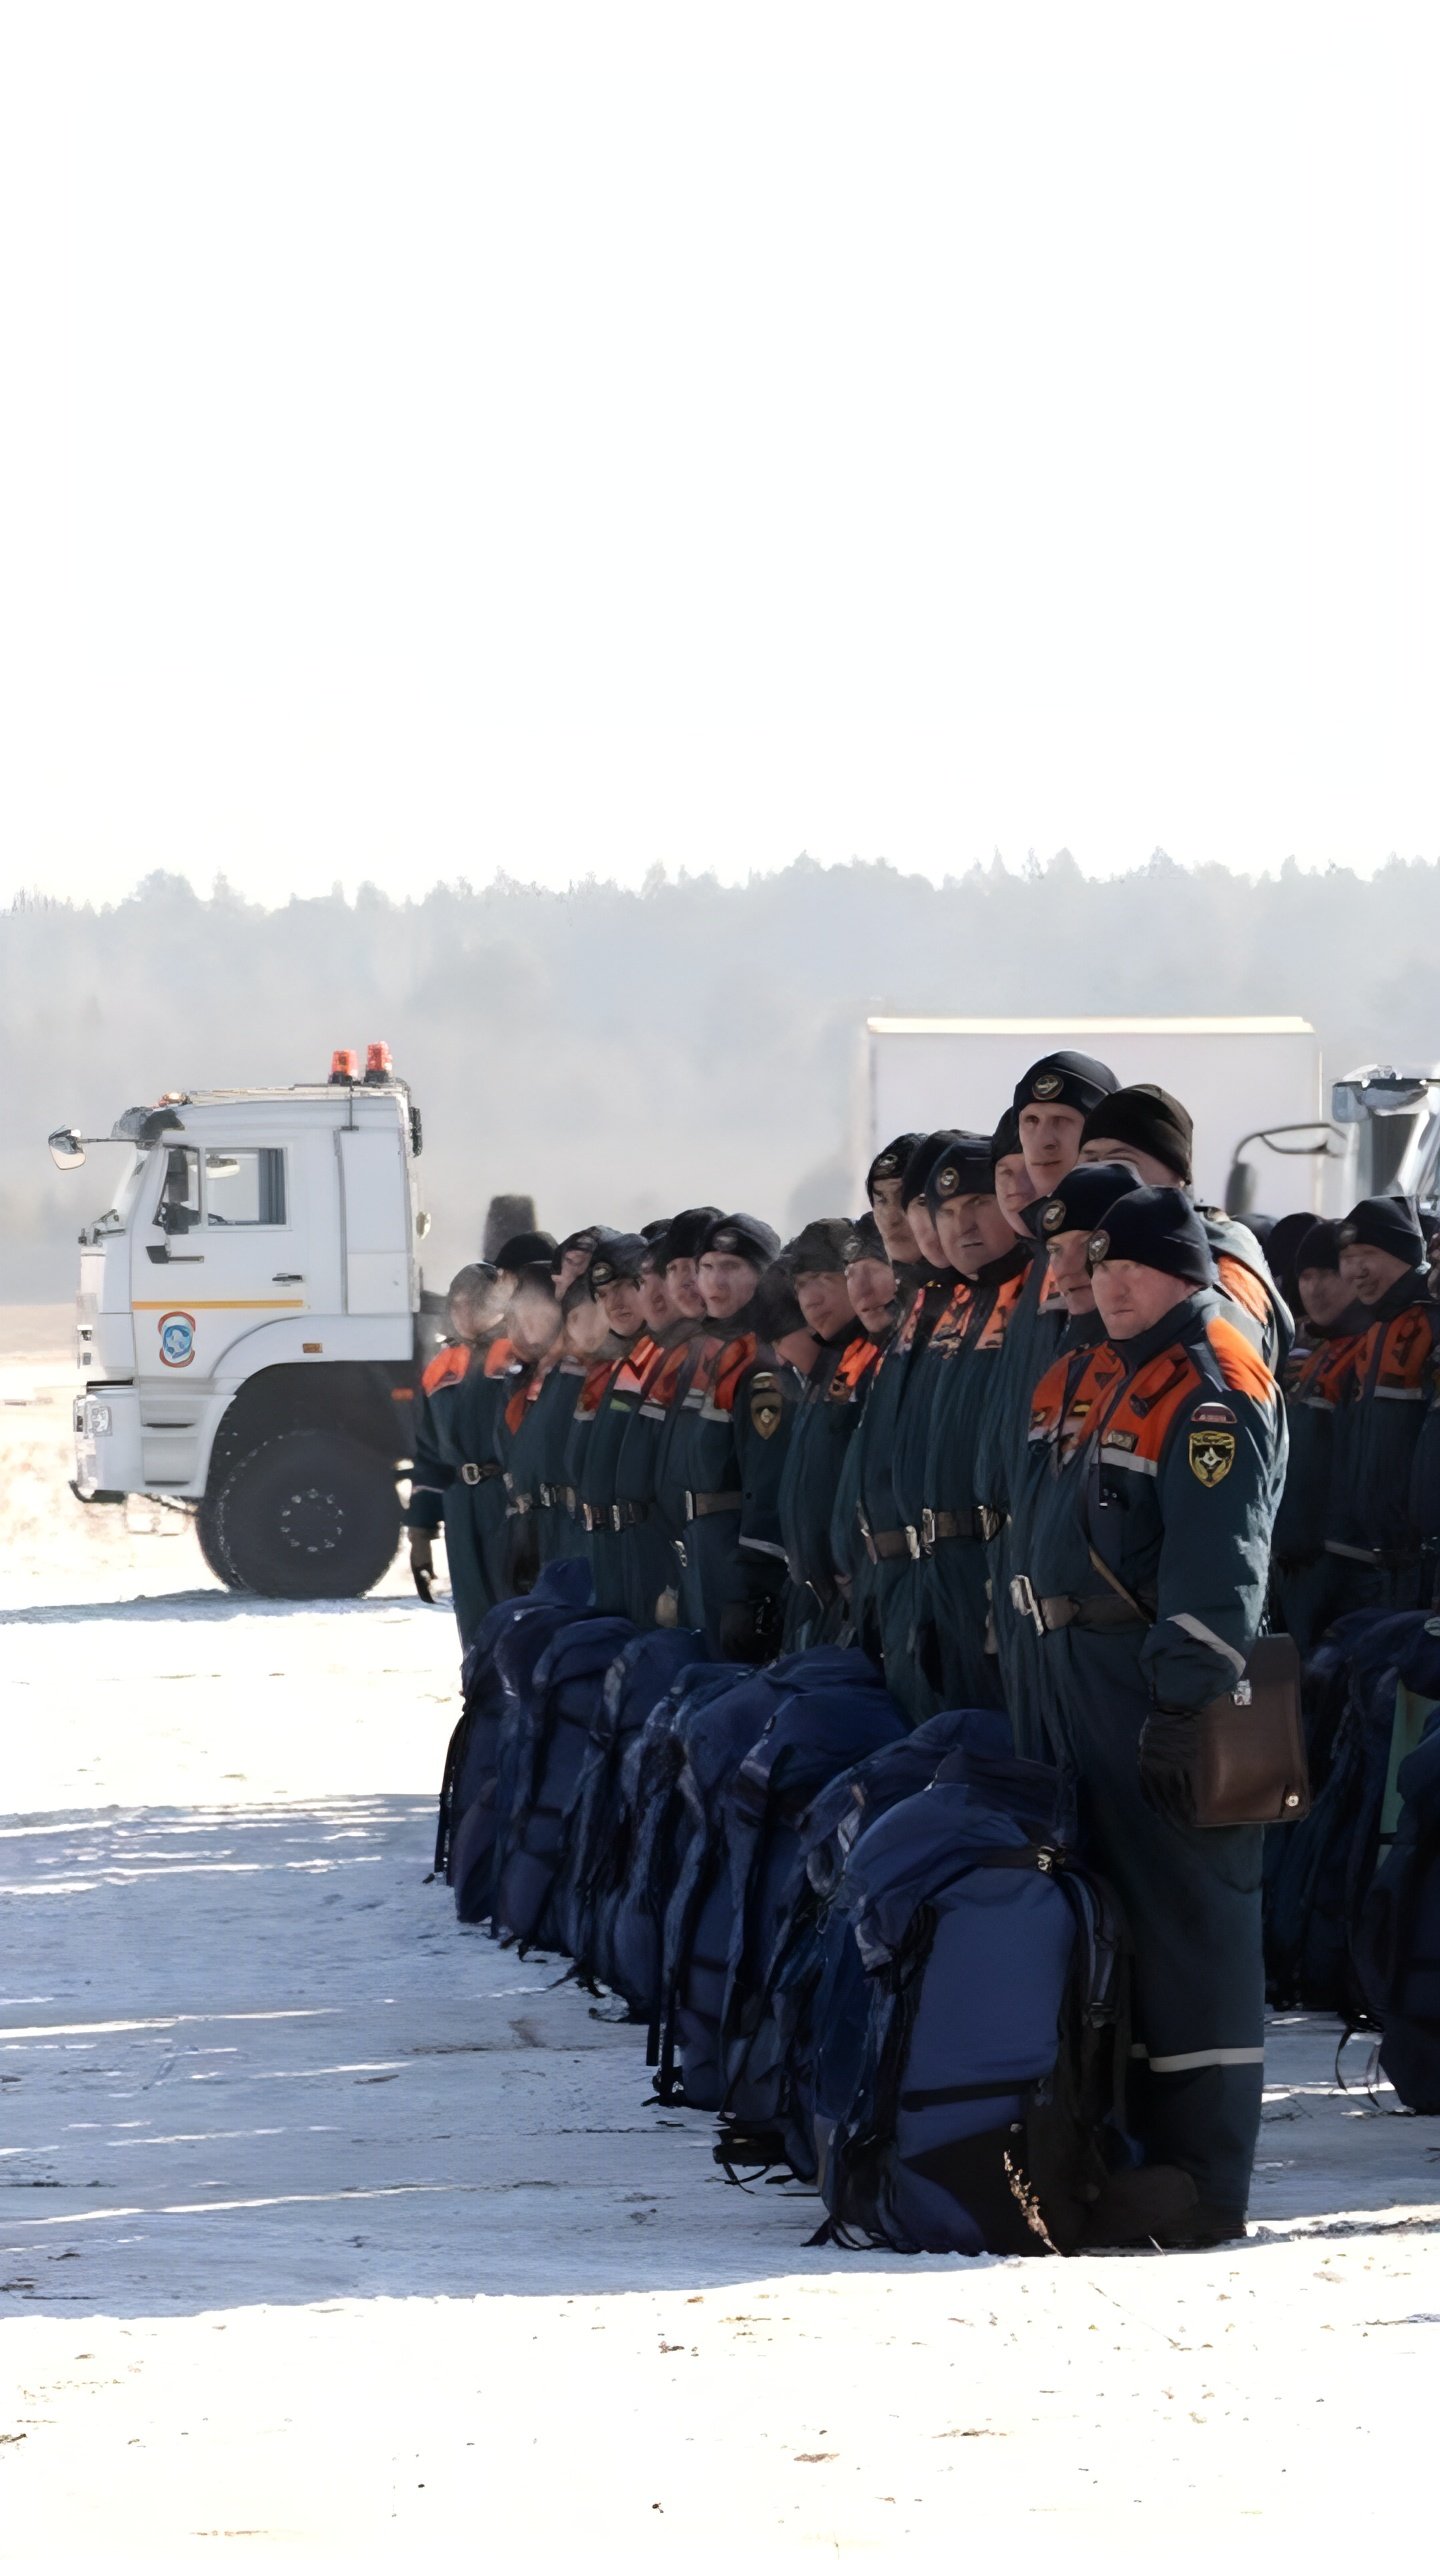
[1236,1074]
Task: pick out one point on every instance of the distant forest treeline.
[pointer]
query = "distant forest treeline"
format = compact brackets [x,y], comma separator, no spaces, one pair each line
[620,1052]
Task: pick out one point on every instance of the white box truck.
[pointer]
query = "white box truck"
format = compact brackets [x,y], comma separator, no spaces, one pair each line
[1239,1076]
[248,1322]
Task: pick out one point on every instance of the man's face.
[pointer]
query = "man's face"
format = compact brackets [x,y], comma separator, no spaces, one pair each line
[1050,1140]
[1119,1151]
[891,1220]
[973,1230]
[924,1240]
[620,1299]
[532,1321]
[1014,1190]
[682,1282]
[824,1302]
[1323,1295]
[727,1283]
[1131,1297]
[586,1329]
[463,1318]
[655,1305]
[1067,1258]
[1368,1274]
[872,1290]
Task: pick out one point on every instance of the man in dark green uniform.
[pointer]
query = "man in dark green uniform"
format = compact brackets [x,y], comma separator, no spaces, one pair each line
[884,1553]
[1382,1521]
[606,1407]
[1174,1496]
[1308,1584]
[724,1453]
[825,1418]
[1052,1100]
[951,1528]
[649,1540]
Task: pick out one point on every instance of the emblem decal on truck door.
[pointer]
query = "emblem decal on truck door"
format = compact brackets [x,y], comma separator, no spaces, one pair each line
[177,1339]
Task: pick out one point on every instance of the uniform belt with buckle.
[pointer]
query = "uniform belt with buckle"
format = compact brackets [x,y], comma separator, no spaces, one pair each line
[937,1526]
[520,1504]
[704,1506]
[471,1474]
[1389,1559]
[882,1546]
[628,1515]
[1102,1615]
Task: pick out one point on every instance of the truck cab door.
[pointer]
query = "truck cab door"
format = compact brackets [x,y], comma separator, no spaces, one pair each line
[226,1247]
[376,1193]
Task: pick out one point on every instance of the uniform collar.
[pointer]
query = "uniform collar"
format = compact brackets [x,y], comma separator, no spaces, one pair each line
[833,1344]
[1083,1333]
[1187,1321]
[1006,1266]
[1355,1319]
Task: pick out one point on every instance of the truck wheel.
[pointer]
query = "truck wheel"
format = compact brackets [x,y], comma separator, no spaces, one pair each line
[311,1515]
[207,1530]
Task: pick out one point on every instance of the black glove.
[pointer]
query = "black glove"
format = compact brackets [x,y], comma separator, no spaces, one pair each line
[1169,1757]
[422,1564]
[750,1630]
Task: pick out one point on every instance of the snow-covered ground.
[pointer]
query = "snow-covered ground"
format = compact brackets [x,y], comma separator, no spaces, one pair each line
[327,2225]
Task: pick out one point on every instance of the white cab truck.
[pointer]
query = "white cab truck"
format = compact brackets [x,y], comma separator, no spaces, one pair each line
[248,1323]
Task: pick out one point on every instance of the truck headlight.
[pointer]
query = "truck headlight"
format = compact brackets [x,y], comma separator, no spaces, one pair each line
[97,1420]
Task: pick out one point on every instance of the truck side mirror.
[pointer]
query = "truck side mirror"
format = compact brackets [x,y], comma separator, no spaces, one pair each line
[1240,1190]
[66,1149]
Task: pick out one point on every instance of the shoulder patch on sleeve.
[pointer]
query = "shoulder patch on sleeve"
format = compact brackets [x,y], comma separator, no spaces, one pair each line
[1211,1454]
[767,1404]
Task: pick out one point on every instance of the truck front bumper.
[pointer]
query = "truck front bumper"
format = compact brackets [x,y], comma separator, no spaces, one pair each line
[108,1461]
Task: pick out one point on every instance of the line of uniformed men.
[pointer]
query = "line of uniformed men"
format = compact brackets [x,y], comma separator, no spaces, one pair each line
[1018,1431]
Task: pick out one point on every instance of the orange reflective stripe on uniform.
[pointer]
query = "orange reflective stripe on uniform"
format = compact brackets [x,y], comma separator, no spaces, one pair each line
[735,1358]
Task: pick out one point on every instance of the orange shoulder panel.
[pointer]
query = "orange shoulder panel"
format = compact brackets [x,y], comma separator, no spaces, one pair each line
[1245,1286]
[1048,1400]
[1241,1366]
[592,1394]
[663,1380]
[734,1360]
[949,1331]
[857,1360]
[499,1357]
[992,1332]
[1407,1346]
[448,1367]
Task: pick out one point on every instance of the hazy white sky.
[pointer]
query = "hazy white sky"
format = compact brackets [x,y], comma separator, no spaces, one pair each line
[562,438]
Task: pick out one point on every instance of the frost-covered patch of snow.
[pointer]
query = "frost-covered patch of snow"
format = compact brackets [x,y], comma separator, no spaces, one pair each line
[328,2225]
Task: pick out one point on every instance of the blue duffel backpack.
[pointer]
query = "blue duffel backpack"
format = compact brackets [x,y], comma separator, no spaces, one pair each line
[498,1669]
[834,1713]
[819,1992]
[594,1846]
[564,1695]
[655,1828]
[986,2111]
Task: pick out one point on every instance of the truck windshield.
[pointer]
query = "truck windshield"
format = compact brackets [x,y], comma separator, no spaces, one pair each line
[112,1220]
